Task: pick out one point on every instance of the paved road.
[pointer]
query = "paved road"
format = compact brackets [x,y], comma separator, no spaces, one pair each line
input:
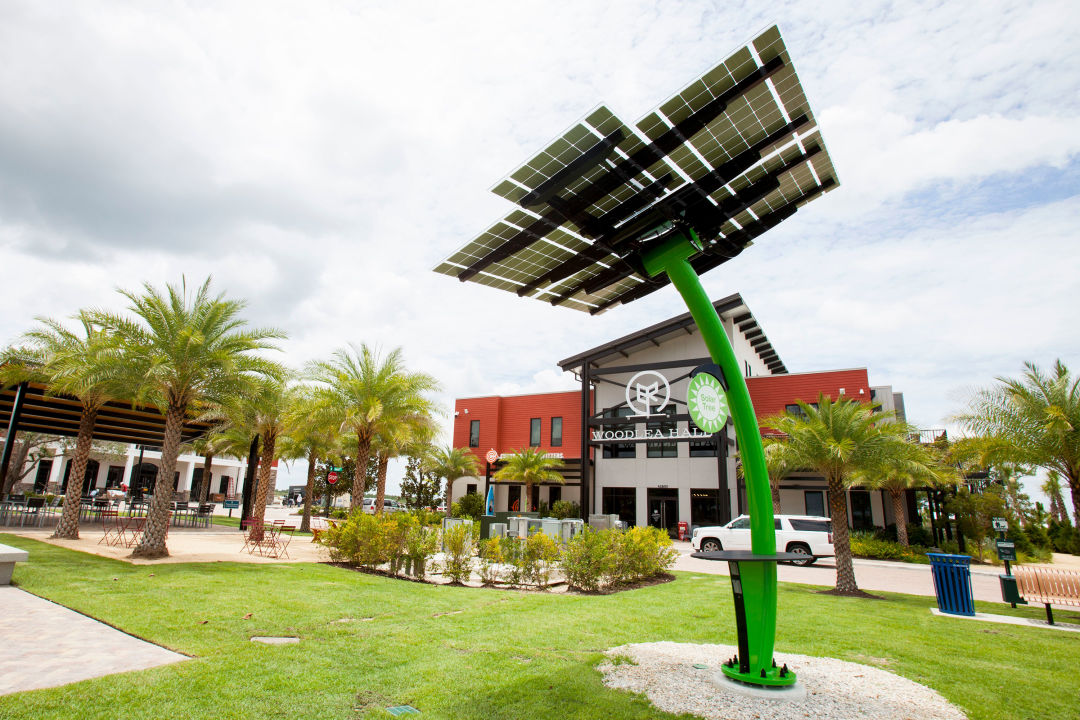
[882,575]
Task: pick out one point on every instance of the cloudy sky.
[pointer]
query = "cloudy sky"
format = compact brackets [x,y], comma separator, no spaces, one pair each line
[320,158]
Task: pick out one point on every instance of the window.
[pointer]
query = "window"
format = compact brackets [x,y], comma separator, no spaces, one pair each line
[747,364]
[742,523]
[621,501]
[704,507]
[815,503]
[41,480]
[556,432]
[667,449]
[534,432]
[470,489]
[620,450]
[811,525]
[513,498]
[474,433]
[795,409]
[554,495]
[704,448]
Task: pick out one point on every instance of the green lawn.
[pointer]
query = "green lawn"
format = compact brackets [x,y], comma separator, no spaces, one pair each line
[499,655]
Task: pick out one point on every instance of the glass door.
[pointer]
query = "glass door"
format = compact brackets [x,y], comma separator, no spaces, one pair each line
[664,510]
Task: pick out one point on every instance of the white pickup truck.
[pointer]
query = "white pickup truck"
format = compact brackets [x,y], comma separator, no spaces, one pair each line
[802,534]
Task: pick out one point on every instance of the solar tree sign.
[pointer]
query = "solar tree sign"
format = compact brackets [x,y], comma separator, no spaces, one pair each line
[607,214]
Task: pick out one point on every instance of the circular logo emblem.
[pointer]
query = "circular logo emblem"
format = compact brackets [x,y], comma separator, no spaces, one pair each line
[645,389]
[707,402]
[492,456]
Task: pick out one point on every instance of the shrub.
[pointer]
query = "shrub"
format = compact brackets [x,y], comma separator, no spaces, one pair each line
[1064,537]
[563,509]
[642,553]
[513,553]
[541,554]
[470,506]
[427,517]
[491,558]
[459,546]
[339,513]
[868,545]
[420,544]
[918,535]
[585,559]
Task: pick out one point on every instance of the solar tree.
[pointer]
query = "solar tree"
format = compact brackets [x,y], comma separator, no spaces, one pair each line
[607,214]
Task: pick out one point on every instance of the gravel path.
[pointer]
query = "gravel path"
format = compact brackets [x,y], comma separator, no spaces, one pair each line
[835,690]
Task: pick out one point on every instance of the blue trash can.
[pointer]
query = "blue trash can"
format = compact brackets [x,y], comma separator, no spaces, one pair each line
[952,583]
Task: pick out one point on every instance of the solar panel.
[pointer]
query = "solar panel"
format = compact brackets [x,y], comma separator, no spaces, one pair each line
[730,155]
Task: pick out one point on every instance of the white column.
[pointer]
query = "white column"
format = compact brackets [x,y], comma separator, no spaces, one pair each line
[187,475]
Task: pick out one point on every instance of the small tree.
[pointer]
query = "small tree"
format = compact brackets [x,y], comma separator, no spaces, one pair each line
[419,487]
[451,463]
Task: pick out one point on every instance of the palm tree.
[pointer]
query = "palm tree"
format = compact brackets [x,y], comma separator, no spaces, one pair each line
[264,409]
[311,435]
[184,353]
[84,364]
[776,465]
[451,463]
[910,466]
[364,389]
[1052,489]
[839,440]
[396,434]
[530,466]
[1038,416]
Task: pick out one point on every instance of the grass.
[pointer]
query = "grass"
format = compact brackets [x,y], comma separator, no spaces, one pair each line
[499,654]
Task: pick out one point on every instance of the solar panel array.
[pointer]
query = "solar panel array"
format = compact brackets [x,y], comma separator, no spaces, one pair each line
[730,156]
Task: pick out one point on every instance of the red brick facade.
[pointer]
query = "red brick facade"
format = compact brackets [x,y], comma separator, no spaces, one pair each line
[505,422]
[772,393]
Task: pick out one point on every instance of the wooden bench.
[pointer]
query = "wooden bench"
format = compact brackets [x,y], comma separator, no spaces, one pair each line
[1048,585]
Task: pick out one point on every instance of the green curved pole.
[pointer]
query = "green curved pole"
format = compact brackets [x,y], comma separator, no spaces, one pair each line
[758,578]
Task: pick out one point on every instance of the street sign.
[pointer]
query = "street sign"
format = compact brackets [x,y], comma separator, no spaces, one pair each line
[492,456]
[336,469]
[331,477]
[1006,550]
[231,505]
[1000,524]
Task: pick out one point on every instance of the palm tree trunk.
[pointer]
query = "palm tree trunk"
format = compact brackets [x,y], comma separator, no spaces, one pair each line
[152,544]
[380,492]
[1074,486]
[262,487]
[449,487]
[204,486]
[775,496]
[305,522]
[359,482]
[68,527]
[899,516]
[845,570]
[528,497]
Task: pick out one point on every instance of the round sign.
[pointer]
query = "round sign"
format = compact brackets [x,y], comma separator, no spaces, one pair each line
[707,402]
[331,477]
[491,456]
[641,394]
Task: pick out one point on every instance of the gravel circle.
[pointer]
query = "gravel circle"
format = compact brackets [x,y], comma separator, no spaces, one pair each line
[835,689]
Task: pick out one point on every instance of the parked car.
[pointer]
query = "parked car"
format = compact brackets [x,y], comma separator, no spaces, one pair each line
[803,534]
[388,506]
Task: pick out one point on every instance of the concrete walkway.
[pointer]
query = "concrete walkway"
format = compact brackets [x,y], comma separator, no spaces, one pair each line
[46,645]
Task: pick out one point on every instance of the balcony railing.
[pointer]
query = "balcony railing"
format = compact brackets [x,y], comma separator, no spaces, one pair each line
[929,437]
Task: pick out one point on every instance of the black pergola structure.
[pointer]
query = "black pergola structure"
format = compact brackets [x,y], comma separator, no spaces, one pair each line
[29,407]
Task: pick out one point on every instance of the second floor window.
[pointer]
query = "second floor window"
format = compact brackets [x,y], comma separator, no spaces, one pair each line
[474,433]
[556,432]
[534,432]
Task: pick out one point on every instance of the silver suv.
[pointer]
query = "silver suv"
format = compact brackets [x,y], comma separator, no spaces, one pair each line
[803,534]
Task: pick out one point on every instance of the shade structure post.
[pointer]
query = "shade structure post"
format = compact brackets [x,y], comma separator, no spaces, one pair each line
[759,584]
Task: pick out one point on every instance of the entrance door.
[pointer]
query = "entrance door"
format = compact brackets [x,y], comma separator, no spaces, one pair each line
[664,510]
[862,517]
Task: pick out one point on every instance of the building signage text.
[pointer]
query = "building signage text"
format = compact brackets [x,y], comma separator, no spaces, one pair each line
[648,434]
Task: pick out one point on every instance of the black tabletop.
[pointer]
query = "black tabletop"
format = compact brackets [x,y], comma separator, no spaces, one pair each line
[747,556]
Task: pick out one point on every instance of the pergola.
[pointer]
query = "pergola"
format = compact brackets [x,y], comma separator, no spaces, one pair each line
[29,407]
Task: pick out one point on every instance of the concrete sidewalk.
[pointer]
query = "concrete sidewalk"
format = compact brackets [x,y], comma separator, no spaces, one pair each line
[46,645]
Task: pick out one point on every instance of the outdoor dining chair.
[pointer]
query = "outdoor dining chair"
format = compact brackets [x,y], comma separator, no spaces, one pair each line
[112,528]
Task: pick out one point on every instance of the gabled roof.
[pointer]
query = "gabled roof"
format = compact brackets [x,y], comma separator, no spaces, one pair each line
[731,307]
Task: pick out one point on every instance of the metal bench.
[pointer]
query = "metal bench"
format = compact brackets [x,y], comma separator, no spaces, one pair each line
[1048,585]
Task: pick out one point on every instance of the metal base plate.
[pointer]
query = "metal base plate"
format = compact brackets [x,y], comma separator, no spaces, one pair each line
[784,693]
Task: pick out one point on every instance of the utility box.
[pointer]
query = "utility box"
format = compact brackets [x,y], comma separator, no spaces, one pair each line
[551,527]
[1010,593]
[571,527]
[497,530]
[599,522]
